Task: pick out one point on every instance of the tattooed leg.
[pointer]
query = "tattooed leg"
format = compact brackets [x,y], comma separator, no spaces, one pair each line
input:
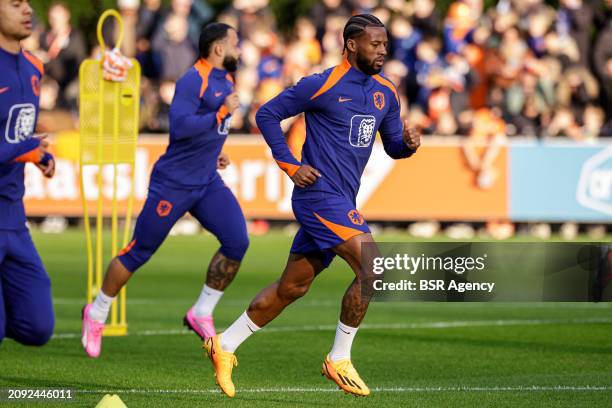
[221,271]
[354,307]
[357,297]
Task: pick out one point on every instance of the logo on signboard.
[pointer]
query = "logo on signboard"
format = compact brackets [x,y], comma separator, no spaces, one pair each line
[595,184]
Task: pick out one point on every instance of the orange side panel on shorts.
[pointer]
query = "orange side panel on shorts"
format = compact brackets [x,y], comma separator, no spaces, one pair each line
[343,232]
[127,248]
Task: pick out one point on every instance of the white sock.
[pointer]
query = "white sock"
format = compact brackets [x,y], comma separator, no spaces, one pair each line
[207,301]
[100,307]
[343,342]
[238,332]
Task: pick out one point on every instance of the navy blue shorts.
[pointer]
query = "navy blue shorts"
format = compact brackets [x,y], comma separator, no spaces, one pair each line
[324,224]
[213,205]
[26,310]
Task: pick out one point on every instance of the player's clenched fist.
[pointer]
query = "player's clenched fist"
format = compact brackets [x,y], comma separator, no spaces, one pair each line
[223,161]
[47,164]
[412,136]
[305,176]
[44,143]
[232,102]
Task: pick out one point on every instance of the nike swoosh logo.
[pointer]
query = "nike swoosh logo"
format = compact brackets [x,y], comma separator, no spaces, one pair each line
[3,90]
[252,331]
[341,99]
[344,331]
[217,94]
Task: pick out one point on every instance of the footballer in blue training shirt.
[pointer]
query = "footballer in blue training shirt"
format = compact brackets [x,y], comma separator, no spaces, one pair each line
[26,310]
[345,107]
[185,179]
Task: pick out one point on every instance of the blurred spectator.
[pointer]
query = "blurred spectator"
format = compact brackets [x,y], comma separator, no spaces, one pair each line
[425,18]
[593,121]
[149,20]
[513,50]
[458,27]
[176,52]
[63,48]
[476,7]
[428,69]
[603,13]
[602,61]
[528,105]
[447,125]
[383,14]
[322,10]
[539,23]
[49,93]
[461,78]
[364,6]
[577,89]
[251,15]
[270,65]
[574,19]
[197,13]
[129,13]
[404,40]
[332,40]
[488,132]
[302,53]
[418,118]
[396,71]
[166,93]
[562,47]
[51,119]
[564,123]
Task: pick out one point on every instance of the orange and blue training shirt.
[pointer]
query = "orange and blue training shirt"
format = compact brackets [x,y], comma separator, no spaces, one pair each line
[344,109]
[199,124]
[19,95]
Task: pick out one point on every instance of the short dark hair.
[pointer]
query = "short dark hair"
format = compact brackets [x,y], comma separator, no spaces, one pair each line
[357,25]
[210,33]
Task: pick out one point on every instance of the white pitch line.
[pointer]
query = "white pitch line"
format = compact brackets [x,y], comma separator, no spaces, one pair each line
[383,326]
[529,388]
[334,303]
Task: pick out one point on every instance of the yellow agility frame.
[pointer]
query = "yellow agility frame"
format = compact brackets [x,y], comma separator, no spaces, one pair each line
[108,116]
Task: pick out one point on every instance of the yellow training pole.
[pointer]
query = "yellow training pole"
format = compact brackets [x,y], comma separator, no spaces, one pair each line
[114,204]
[88,242]
[109,132]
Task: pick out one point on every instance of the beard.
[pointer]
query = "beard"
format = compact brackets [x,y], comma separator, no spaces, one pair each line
[230,63]
[20,34]
[366,66]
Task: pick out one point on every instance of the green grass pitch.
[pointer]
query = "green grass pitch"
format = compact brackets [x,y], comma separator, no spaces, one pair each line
[411,354]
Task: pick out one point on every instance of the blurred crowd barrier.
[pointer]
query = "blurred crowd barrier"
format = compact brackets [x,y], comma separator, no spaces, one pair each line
[450,179]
